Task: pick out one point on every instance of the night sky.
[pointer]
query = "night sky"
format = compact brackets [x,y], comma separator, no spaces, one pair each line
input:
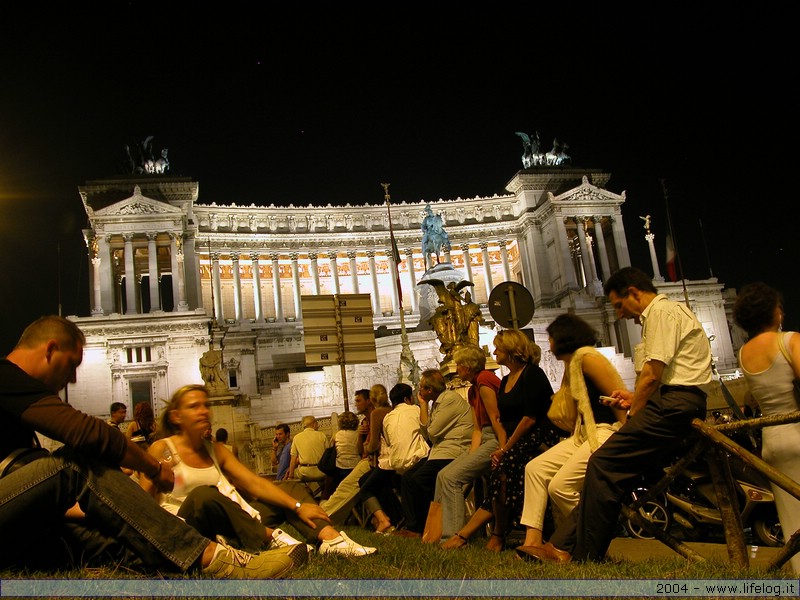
[321,105]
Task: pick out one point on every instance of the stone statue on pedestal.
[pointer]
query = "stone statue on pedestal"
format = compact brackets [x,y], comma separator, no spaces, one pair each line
[211,372]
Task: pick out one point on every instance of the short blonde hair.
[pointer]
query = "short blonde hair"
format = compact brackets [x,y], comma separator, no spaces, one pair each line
[308,421]
[518,346]
[378,395]
[472,357]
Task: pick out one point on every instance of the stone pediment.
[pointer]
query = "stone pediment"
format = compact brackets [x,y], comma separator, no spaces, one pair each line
[588,192]
[138,205]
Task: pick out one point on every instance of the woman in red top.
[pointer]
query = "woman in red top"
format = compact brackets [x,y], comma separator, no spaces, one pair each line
[488,434]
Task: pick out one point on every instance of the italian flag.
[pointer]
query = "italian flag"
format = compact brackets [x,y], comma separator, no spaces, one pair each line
[671,259]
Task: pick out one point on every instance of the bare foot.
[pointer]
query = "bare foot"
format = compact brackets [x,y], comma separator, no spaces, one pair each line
[454,542]
[496,543]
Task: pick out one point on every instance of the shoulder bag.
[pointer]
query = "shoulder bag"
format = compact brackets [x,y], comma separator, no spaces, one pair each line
[327,462]
[563,412]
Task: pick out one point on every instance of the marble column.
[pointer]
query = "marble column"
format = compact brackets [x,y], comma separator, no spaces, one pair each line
[620,241]
[97,297]
[276,286]
[108,283]
[587,271]
[487,269]
[567,270]
[152,268]
[216,286]
[257,287]
[657,276]
[351,254]
[313,257]
[376,298]
[590,255]
[177,264]
[395,292]
[467,262]
[130,275]
[334,272]
[601,248]
[504,257]
[237,286]
[447,257]
[298,312]
[412,279]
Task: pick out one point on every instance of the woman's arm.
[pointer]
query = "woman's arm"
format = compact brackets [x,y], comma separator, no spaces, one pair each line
[164,478]
[376,426]
[476,431]
[489,399]
[522,428]
[132,430]
[794,351]
[263,489]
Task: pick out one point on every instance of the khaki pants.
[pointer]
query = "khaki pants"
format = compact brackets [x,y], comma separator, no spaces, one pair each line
[345,496]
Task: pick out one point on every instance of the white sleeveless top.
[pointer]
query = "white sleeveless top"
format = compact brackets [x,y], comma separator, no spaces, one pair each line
[186,479]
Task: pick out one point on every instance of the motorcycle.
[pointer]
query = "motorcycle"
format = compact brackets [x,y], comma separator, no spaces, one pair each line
[690,505]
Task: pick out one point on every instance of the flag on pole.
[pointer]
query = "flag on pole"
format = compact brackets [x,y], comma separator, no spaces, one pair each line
[671,273]
[396,257]
[395,251]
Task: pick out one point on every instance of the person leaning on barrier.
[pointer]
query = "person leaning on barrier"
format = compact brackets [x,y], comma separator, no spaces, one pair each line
[117,521]
[673,362]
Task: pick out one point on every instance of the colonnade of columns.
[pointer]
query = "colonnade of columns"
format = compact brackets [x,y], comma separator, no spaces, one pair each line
[377,277]
[108,275]
[590,232]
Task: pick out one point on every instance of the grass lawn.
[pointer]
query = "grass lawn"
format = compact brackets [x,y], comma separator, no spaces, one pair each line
[405,567]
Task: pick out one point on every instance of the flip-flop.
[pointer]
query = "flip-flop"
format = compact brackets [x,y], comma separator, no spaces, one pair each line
[388,531]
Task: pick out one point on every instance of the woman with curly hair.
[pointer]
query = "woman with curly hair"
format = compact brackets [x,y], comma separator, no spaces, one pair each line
[346,442]
[143,429]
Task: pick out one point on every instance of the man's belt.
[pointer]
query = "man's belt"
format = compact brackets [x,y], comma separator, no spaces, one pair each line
[692,389]
[307,465]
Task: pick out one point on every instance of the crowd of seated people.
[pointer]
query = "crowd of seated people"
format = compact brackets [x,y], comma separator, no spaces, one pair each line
[408,460]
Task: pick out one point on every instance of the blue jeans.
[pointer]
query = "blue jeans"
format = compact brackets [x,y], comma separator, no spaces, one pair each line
[455,477]
[122,523]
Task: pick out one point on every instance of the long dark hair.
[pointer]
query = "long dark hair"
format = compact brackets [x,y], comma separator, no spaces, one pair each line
[570,332]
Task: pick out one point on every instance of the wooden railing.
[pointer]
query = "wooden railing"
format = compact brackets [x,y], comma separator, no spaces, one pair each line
[714,437]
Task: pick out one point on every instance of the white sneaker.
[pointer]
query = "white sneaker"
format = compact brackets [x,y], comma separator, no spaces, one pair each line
[344,545]
[281,539]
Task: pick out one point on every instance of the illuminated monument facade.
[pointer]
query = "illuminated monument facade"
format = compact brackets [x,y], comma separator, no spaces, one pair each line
[172,278]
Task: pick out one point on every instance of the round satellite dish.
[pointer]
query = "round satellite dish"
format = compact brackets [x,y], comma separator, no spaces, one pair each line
[511,305]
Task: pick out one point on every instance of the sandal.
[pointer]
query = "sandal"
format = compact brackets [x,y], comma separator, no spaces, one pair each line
[388,531]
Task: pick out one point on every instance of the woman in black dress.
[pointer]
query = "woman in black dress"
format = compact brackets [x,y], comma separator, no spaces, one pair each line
[523,400]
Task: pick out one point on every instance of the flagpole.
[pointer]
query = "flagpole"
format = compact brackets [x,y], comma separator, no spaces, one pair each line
[705,247]
[675,244]
[411,372]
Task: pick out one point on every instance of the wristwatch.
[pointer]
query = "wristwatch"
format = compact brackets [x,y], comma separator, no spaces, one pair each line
[297,506]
